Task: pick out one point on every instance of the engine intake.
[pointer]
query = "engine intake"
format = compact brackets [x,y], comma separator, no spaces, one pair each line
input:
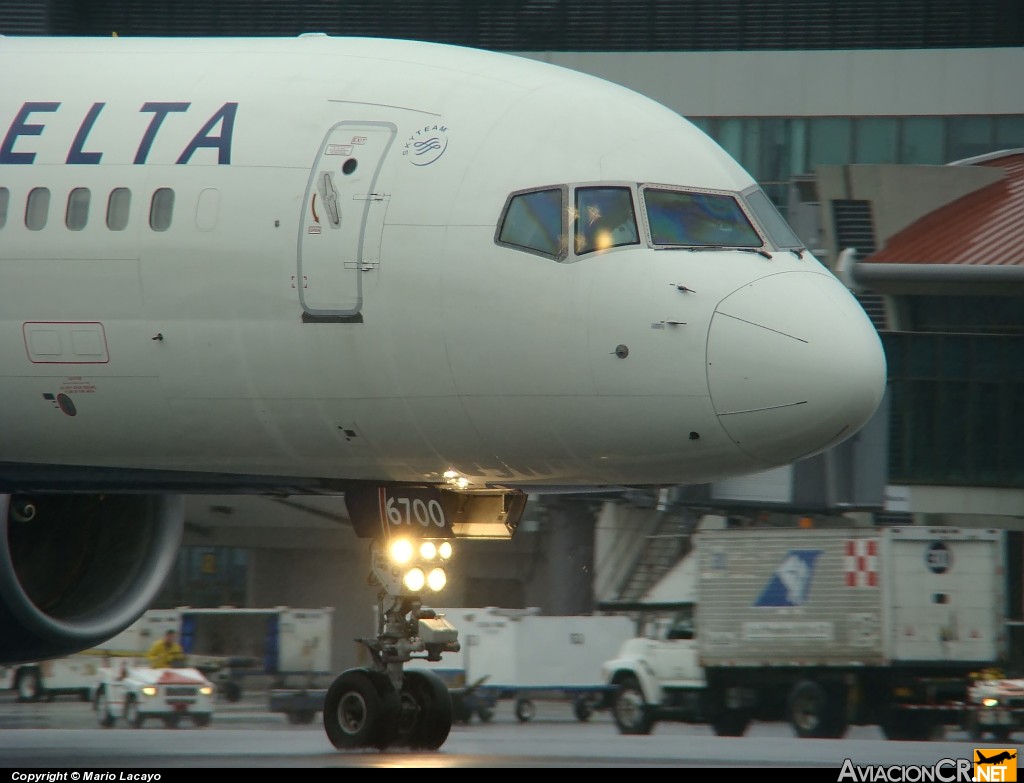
[77,569]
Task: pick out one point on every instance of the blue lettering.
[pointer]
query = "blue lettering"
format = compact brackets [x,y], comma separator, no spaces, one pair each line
[20,128]
[160,110]
[76,154]
[225,116]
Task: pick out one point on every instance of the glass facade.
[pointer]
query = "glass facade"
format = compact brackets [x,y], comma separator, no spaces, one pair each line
[957,414]
[206,576]
[774,149]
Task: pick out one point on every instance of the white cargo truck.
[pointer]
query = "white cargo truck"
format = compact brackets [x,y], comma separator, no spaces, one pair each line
[227,644]
[78,675]
[823,628]
[523,656]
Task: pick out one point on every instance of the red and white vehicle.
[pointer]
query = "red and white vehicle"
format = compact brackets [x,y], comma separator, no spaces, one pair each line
[995,707]
[136,693]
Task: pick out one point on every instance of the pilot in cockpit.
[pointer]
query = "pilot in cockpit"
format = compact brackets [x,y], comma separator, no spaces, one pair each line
[607,219]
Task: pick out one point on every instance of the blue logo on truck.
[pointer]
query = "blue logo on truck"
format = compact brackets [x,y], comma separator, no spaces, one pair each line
[790,583]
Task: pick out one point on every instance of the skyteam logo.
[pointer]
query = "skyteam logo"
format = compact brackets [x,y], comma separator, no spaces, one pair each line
[791,582]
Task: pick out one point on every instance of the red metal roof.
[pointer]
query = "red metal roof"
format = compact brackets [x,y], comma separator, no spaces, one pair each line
[985,227]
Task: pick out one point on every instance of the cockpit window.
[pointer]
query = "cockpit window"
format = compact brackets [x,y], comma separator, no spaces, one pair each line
[771,221]
[688,218]
[604,219]
[533,221]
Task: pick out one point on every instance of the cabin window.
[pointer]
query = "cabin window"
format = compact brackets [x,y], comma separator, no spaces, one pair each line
[207,208]
[533,222]
[604,219]
[161,209]
[694,219]
[37,209]
[118,205]
[5,197]
[78,209]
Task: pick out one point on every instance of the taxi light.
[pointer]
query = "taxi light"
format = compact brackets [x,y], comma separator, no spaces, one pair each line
[400,551]
[414,579]
[206,690]
[445,550]
[149,690]
[437,579]
[428,550]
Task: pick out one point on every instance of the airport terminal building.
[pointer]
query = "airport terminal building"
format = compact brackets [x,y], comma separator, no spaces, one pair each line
[889,134]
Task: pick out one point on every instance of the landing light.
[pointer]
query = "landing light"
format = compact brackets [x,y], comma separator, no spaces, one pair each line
[400,551]
[411,565]
[414,579]
[437,579]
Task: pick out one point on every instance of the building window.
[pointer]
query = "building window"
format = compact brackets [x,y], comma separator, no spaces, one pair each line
[118,206]
[161,209]
[923,140]
[78,209]
[37,209]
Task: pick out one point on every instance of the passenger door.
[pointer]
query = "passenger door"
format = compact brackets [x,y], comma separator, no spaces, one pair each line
[343,219]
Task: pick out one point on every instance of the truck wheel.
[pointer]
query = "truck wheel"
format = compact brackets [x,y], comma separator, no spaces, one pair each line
[200,720]
[582,709]
[815,712]
[485,714]
[731,723]
[461,712]
[525,710]
[631,713]
[232,691]
[903,726]
[171,721]
[101,706]
[301,717]
[29,685]
[132,716]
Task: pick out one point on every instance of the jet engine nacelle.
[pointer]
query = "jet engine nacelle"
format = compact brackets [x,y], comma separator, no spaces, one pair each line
[77,569]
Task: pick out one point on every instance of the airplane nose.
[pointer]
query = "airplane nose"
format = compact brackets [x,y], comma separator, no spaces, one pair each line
[794,366]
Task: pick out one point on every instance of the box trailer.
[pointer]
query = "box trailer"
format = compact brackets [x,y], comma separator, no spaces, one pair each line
[824,628]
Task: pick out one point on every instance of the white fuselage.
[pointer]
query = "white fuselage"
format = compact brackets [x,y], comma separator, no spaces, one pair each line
[375,330]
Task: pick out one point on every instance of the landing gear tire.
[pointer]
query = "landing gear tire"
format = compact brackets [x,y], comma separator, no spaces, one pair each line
[525,710]
[101,706]
[29,685]
[426,711]
[361,710]
[486,714]
[816,712]
[630,711]
[132,716]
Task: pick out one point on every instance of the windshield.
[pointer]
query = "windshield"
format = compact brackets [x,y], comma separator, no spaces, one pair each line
[771,221]
[689,218]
